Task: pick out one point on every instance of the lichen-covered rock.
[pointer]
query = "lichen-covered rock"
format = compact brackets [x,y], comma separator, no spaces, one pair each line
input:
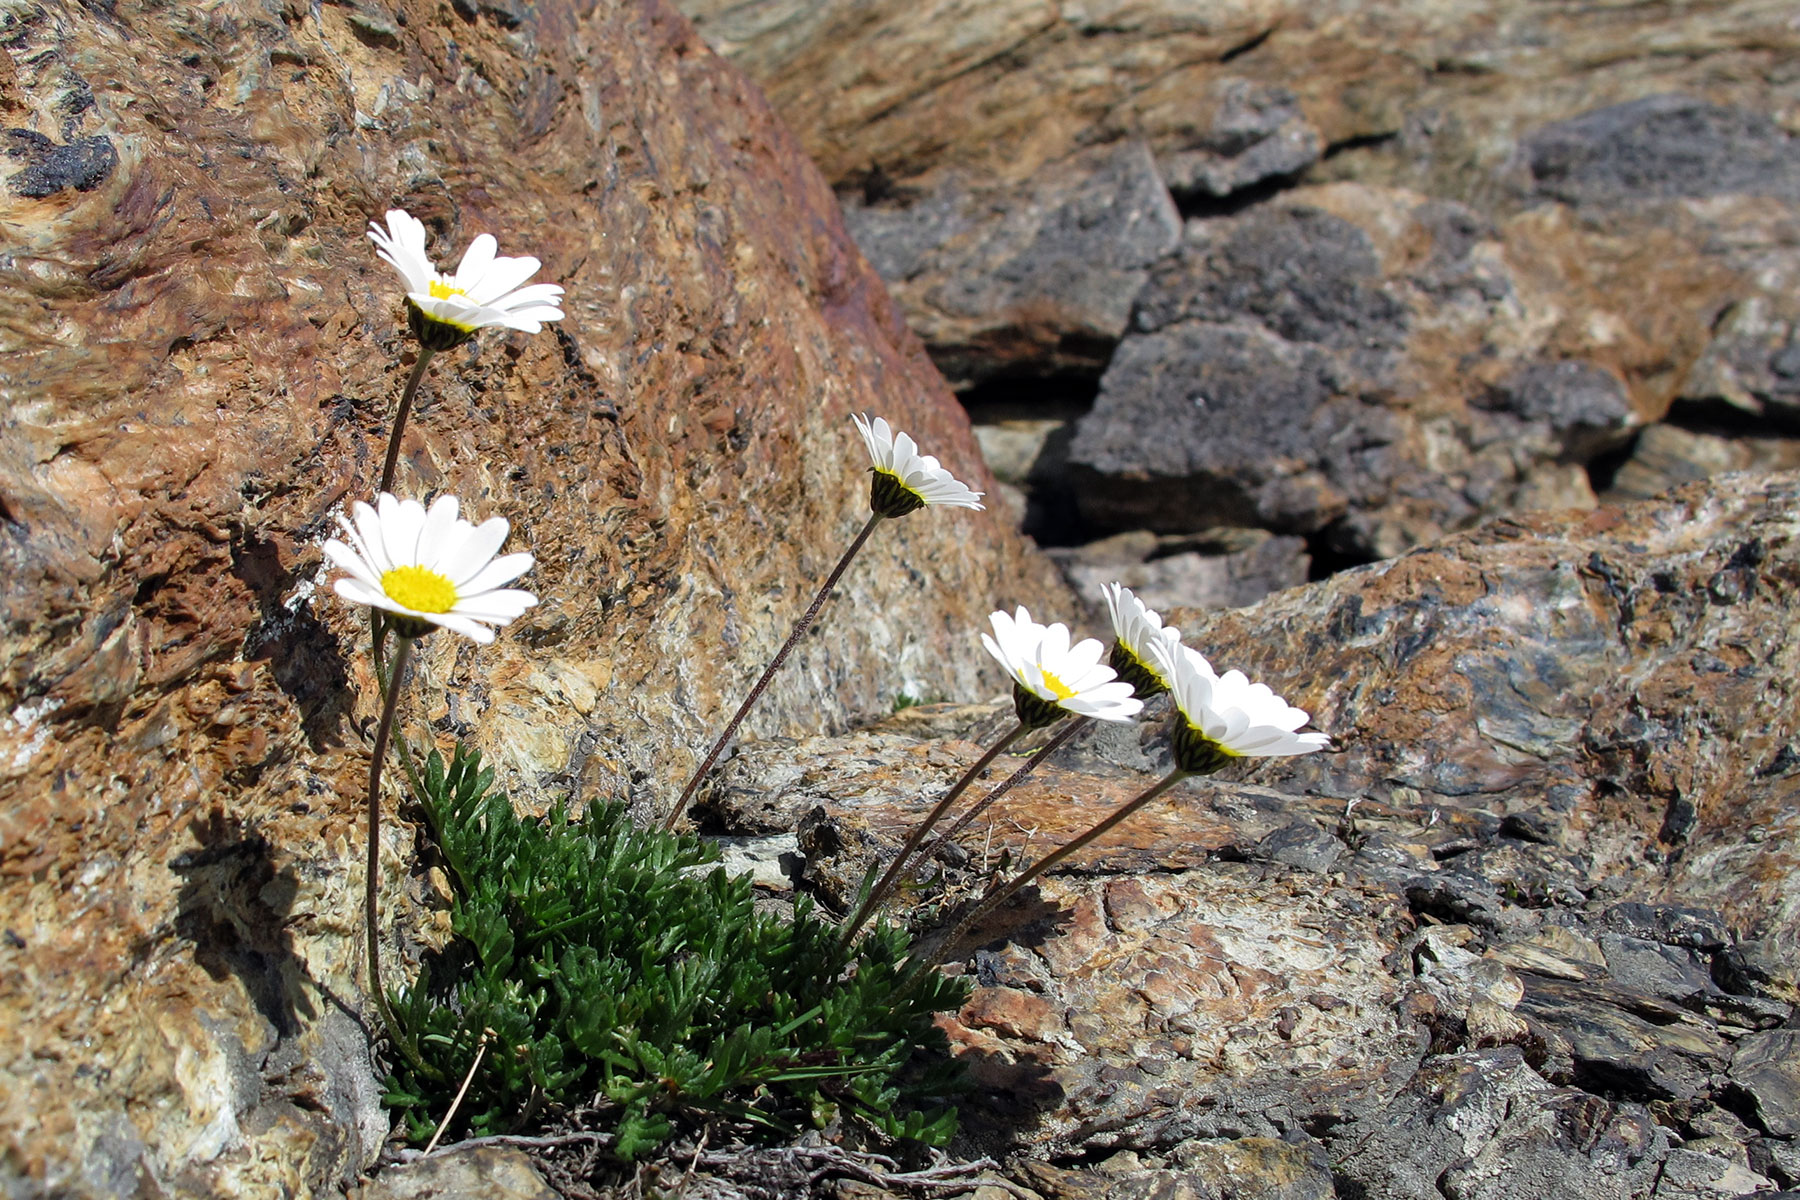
[1531,919]
[202,353]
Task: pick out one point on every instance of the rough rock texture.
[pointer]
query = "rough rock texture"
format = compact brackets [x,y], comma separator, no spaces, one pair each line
[201,351]
[1665,456]
[1530,926]
[1035,282]
[1379,368]
[1222,568]
[1562,219]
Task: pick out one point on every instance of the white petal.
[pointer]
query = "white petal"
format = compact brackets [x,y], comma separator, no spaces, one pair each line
[475,262]
[368,529]
[498,606]
[351,561]
[501,277]
[468,628]
[547,295]
[504,569]
[473,554]
[441,532]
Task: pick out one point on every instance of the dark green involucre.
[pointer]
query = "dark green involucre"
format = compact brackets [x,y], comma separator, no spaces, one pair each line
[621,977]
[1194,752]
[891,498]
[432,333]
[1035,712]
[1144,682]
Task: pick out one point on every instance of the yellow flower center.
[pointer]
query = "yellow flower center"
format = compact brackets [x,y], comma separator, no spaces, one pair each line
[1063,691]
[420,589]
[443,291]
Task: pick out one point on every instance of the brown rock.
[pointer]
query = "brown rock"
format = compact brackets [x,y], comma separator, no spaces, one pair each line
[202,356]
[1667,456]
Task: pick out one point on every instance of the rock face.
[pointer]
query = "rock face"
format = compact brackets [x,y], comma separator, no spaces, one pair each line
[1439,263]
[1533,919]
[202,352]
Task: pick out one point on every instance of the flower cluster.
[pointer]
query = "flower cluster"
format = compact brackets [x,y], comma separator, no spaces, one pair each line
[1222,717]
[418,568]
[1053,679]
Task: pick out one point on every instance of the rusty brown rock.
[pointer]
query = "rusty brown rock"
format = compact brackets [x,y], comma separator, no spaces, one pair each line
[201,354]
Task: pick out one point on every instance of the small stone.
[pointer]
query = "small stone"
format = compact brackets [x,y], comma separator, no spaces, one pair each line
[477,1173]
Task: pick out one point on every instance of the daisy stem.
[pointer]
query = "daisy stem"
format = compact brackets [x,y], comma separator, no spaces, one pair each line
[400,415]
[1050,747]
[1049,860]
[800,628]
[371,912]
[885,885]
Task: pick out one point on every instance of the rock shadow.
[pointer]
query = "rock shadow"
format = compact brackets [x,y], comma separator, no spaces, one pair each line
[1010,1092]
[234,909]
[303,655]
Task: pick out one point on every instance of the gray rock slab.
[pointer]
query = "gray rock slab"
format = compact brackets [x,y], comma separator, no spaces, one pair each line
[1766,1066]
[1662,146]
[1484,1126]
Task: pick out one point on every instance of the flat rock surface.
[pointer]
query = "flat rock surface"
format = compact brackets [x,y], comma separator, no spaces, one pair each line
[1530,920]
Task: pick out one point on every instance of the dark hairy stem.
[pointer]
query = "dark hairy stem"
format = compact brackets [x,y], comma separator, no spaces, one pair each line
[800,628]
[880,891]
[1024,877]
[371,913]
[1050,747]
[400,415]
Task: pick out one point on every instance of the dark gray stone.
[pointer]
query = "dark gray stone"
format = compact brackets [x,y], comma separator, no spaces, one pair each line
[1673,925]
[1766,1066]
[1029,278]
[1623,1045]
[1302,845]
[1202,424]
[1668,972]
[899,239]
[1753,967]
[1304,274]
[1484,1126]
[1460,897]
[1688,1175]
[1215,569]
[1254,132]
[1659,147]
[84,164]
[1585,406]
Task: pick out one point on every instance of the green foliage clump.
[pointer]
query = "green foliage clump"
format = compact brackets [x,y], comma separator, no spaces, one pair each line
[626,984]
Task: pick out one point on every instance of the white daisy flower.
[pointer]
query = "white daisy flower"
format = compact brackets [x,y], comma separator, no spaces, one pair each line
[447,310]
[1051,678]
[905,480]
[1136,629]
[1222,717]
[429,568]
